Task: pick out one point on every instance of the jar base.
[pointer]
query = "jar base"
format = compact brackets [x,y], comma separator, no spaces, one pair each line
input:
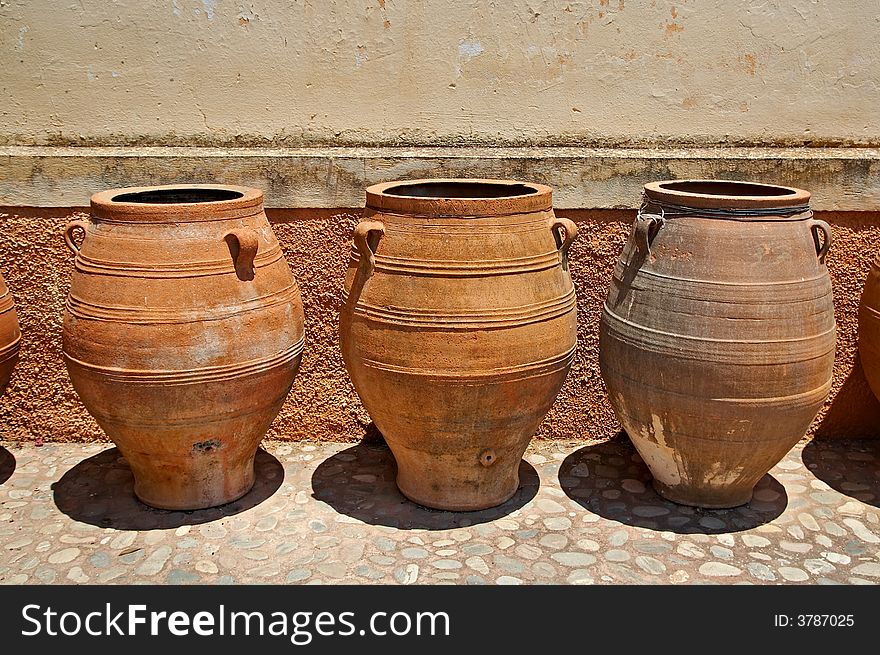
[452,502]
[199,501]
[702,497]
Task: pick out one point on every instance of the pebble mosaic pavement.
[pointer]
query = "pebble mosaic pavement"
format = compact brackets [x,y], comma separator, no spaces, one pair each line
[328,513]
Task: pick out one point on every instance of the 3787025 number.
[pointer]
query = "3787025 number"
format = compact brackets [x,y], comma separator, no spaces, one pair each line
[821,620]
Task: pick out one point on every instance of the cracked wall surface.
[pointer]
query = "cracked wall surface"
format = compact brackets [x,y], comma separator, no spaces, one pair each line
[545,72]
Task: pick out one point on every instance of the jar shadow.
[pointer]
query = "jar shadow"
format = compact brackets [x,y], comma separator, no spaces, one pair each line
[7,464]
[360,482]
[100,491]
[849,466]
[611,480]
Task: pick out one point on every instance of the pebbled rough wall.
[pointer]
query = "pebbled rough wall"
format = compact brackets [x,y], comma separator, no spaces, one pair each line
[411,72]
[40,404]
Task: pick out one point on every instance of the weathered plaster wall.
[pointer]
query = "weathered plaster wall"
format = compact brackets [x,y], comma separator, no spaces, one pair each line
[548,72]
[40,404]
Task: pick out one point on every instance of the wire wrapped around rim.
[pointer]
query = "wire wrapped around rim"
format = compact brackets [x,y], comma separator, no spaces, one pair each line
[670,210]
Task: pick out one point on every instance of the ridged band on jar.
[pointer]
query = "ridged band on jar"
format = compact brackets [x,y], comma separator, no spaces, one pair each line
[475,246]
[483,300]
[146,275]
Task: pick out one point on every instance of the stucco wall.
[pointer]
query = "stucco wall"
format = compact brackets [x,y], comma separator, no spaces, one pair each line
[549,72]
[41,404]
[392,79]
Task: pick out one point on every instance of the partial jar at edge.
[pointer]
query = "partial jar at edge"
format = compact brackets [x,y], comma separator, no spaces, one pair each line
[10,335]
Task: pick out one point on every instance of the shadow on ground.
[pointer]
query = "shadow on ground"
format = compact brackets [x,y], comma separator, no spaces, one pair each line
[611,480]
[359,482]
[100,491]
[851,467]
[7,464]
[854,411]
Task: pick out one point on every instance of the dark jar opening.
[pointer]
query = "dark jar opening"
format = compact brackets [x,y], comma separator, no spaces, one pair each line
[462,190]
[726,188]
[177,196]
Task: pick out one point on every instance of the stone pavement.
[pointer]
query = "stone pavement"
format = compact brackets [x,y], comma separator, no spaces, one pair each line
[330,513]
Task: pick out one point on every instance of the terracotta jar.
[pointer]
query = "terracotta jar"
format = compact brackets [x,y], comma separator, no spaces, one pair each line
[717,337]
[869,327]
[458,329]
[182,334]
[10,335]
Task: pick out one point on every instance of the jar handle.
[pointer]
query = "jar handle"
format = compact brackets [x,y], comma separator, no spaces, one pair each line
[362,233]
[646,227]
[243,245]
[68,234]
[821,247]
[563,243]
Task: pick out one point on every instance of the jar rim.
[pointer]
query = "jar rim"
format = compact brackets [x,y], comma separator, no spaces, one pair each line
[459,196]
[725,194]
[170,200]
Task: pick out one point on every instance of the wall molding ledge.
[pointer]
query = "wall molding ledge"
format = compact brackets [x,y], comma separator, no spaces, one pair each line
[840,179]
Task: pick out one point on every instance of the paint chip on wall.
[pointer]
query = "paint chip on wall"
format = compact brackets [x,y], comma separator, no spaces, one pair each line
[469,49]
[21,32]
[210,6]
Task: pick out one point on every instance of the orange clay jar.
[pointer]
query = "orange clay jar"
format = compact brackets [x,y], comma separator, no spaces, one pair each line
[458,329]
[183,332]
